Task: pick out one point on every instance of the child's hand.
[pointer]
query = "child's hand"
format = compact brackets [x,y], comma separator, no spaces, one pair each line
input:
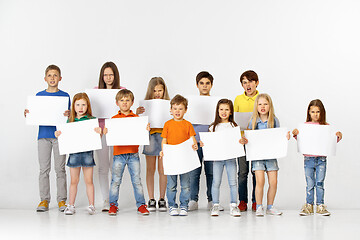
[148,127]
[201,143]
[195,147]
[26,111]
[295,132]
[288,135]
[161,154]
[67,113]
[243,140]
[339,136]
[98,130]
[57,134]
[140,110]
[105,130]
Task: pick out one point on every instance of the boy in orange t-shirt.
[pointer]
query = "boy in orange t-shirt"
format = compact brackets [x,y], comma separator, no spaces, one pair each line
[176,131]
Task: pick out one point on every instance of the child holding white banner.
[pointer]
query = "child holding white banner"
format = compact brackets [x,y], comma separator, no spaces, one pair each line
[315,166]
[80,111]
[156,90]
[224,119]
[264,117]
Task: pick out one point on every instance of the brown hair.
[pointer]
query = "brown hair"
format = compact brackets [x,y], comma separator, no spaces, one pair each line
[152,84]
[217,117]
[250,75]
[320,105]
[202,75]
[255,116]
[178,99]
[53,67]
[79,96]
[116,83]
[124,93]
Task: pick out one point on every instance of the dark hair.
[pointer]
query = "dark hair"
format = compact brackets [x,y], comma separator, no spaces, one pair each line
[217,117]
[319,104]
[202,75]
[116,83]
[178,99]
[53,67]
[250,75]
[124,93]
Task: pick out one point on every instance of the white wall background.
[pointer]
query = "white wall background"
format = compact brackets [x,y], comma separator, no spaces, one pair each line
[301,50]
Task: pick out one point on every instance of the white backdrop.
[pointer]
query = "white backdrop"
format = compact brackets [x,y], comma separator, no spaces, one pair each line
[301,50]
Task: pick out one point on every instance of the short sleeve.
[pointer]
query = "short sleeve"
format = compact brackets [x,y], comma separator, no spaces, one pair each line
[165,131]
[191,130]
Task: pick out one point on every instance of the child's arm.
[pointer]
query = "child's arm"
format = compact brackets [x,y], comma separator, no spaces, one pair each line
[288,135]
[148,127]
[26,111]
[194,146]
[295,132]
[164,141]
[243,141]
[140,110]
[67,113]
[201,143]
[339,136]
[98,130]
[105,131]
[57,134]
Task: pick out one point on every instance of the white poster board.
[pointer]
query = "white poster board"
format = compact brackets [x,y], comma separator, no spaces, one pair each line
[317,140]
[180,158]
[222,145]
[46,110]
[158,111]
[79,137]
[201,109]
[127,131]
[266,143]
[103,102]
[242,119]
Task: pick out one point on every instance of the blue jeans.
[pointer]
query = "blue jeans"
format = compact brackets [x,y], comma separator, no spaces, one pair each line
[195,177]
[218,168]
[133,162]
[315,171]
[171,190]
[243,173]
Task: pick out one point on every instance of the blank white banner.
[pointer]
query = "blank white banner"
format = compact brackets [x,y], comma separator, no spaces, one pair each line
[222,145]
[180,158]
[242,119]
[127,131]
[266,143]
[317,140]
[103,102]
[46,110]
[201,109]
[158,111]
[79,137]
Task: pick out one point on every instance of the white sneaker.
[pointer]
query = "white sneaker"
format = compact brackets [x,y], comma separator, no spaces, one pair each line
[106,206]
[234,210]
[173,211]
[183,212]
[273,211]
[91,209]
[260,211]
[210,205]
[193,205]
[70,210]
[215,210]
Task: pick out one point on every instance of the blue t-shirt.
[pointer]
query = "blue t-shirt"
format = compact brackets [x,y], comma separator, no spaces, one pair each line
[200,128]
[48,131]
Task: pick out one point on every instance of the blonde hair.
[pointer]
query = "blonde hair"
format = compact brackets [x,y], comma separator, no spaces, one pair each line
[256,116]
[152,84]
[124,93]
[80,96]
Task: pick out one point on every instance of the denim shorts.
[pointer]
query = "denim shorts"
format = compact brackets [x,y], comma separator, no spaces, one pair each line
[155,145]
[265,165]
[82,159]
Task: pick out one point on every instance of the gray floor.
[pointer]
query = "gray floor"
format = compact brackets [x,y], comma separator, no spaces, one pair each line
[28,224]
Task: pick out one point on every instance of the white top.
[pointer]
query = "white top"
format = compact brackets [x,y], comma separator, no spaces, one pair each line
[222,126]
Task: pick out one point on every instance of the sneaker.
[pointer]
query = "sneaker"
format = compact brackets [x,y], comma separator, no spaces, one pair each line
[91,209]
[260,211]
[234,210]
[253,207]
[62,206]
[307,210]
[193,205]
[183,212]
[173,211]
[215,210]
[143,210]
[106,206]
[152,205]
[210,205]
[242,206]
[321,209]
[70,210]
[273,211]
[43,206]
[113,209]
[162,205]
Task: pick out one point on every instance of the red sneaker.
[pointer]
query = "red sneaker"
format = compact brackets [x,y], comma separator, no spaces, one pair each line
[143,210]
[253,207]
[242,206]
[113,209]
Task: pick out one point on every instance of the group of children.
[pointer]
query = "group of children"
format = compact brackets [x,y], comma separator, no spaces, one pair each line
[175,131]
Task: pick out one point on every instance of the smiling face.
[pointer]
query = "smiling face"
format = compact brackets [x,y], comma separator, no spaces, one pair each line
[249,86]
[125,104]
[158,92]
[178,111]
[314,113]
[108,77]
[80,107]
[52,78]
[263,107]
[204,86]
[224,112]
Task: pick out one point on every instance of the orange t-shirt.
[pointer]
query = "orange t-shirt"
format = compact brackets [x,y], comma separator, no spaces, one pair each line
[177,132]
[125,149]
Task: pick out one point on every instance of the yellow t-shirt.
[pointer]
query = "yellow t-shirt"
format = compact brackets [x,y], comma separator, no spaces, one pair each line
[244,103]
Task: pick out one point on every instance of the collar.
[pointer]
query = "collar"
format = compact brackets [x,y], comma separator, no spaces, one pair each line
[82,118]
[253,98]
[131,114]
[259,121]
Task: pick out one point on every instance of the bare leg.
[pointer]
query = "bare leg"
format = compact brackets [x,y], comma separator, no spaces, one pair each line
[150,172]
[88,178]
[272,179]
[74,174]
[259,189]
[162,178]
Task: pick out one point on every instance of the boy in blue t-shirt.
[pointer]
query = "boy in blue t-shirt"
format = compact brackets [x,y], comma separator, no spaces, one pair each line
[48,142]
